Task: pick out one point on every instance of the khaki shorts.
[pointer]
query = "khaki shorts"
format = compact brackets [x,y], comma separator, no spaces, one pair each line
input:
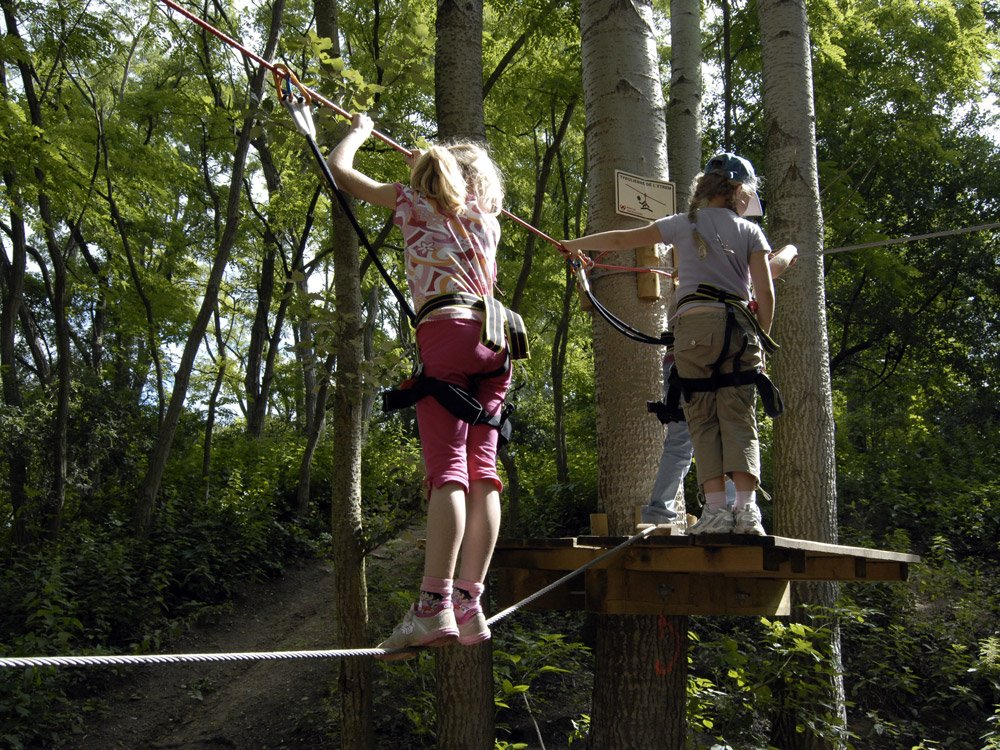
[723,423]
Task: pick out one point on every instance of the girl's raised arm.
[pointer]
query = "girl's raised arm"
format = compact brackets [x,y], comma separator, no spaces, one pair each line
[616,239]
[349,179]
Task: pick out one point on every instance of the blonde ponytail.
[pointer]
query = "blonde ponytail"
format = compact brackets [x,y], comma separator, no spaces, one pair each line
[706,187]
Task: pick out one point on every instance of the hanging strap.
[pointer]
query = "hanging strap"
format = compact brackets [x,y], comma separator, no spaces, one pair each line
[500,324]
[664,339]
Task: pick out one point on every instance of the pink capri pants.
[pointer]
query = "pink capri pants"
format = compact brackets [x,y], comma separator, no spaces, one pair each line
[454,450]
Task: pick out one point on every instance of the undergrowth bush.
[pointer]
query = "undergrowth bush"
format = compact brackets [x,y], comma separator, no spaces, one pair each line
[100,590]
[746,672]
[921,663]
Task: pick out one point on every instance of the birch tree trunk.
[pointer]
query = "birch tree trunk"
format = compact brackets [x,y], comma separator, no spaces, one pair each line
[805,494]
[636,675]
[684,104]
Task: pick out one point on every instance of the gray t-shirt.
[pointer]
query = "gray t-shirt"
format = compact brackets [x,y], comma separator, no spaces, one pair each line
[731,241]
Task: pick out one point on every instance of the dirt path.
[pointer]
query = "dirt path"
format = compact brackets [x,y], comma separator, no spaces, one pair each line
[247,705]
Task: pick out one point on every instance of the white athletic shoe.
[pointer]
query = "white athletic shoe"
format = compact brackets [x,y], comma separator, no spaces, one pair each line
[748,521]
[714,522]
[437,630]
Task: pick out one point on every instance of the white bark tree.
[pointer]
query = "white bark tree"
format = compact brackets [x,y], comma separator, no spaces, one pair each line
[463,674]
[684,104]
[805,470]
[636,677]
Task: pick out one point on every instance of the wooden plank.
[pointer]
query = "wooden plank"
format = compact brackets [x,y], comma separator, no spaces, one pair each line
[643,593]
[513,586]
[716,541]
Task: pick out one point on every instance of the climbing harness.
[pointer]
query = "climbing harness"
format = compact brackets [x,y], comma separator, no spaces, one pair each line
[497,319]
[460,402]
[501,327]
[770,396]
[121,659]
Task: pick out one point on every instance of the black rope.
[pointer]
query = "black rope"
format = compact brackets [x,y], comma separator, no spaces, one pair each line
[344,204]
[614,321]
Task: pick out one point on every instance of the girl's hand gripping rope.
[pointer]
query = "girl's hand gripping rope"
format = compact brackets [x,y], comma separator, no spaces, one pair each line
[573,255]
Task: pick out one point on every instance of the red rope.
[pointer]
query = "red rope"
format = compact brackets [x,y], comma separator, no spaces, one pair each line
[281,72]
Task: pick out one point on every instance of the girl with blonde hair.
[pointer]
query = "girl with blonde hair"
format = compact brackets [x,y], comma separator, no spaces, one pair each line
[448,217]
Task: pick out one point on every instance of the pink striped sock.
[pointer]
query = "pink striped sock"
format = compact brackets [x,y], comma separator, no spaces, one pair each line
[465,598]
[435,595]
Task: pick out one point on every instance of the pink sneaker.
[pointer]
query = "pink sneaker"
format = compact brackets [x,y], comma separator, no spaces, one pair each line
[436,630]
[472,627]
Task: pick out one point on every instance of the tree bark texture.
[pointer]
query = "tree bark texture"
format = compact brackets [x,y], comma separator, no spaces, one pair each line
[641,662]
[464,680]
[458,85]
[625,130]
[346,423]
[684,104]
[805,492]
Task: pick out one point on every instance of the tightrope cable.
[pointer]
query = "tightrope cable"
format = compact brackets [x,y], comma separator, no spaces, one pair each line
[556,584]
[126,659]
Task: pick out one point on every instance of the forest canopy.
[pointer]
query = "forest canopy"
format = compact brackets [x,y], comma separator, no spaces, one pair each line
[169,333]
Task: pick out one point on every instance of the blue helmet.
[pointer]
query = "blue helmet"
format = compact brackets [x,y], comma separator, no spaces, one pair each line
[734,167]
[731,167]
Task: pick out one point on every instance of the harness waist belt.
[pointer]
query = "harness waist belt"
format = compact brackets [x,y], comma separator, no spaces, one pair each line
[460,402]
[770,396]
[709,293]
[497,321]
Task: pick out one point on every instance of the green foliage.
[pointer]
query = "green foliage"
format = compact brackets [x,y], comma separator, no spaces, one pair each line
[920,659]
[101,591]
[744,676]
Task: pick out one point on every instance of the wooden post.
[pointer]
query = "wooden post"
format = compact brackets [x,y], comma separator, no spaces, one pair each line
[648,283]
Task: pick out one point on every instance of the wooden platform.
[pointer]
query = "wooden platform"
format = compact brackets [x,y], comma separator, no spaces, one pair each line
[726,574]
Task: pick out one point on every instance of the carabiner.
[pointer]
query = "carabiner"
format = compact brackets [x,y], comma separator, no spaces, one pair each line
[283,75]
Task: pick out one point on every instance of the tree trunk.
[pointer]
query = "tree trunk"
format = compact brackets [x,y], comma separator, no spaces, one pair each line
[464,677]
[458,70]
[684,107]
[13,298]
[260,336]
[559,347]
[458,98]
[348,541]
[623,95]
[146,505]
[640,662]
[805,493]
[347,423]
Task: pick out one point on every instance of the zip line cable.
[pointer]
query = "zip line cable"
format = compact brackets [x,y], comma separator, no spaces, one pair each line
[124,659]
[913,238]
